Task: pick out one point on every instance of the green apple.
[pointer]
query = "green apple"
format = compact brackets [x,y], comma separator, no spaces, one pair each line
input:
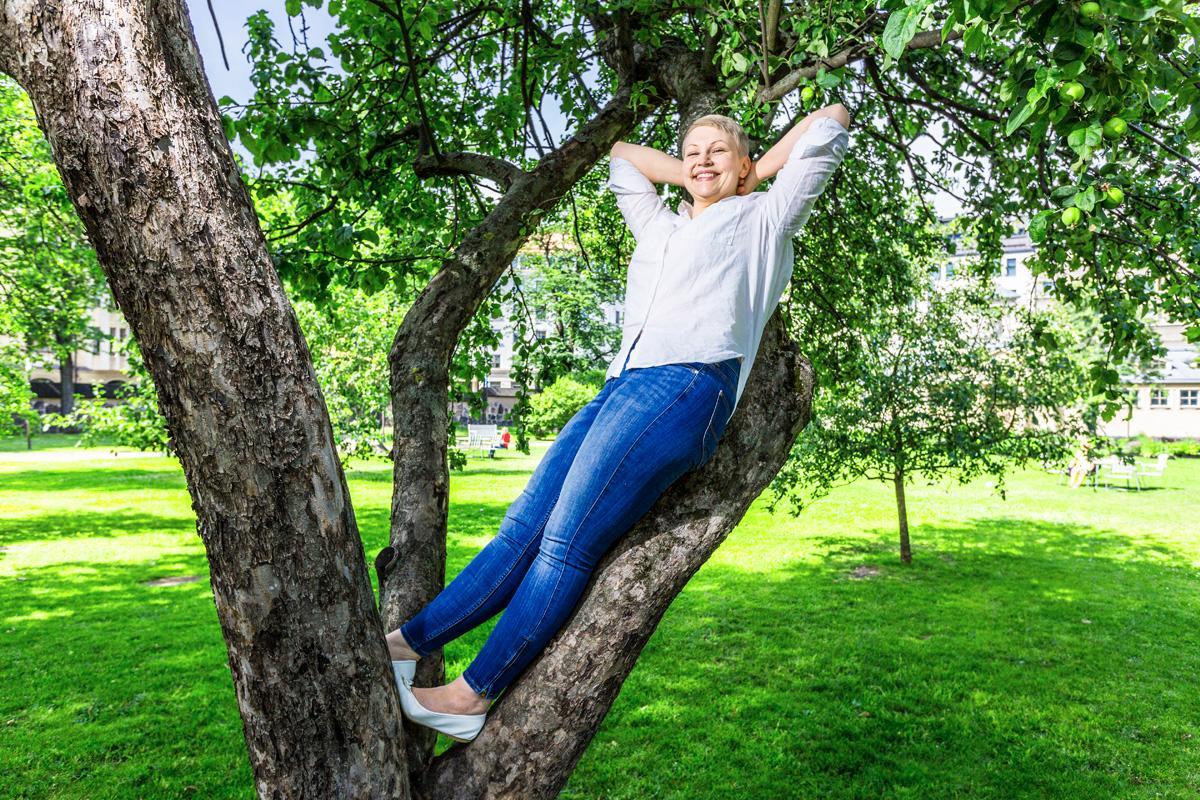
[1115,128]
[1070,216]
[1071,91]
[807,94]
[1089,10]
[1113,197]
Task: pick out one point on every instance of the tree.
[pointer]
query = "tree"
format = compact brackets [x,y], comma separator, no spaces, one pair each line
[16,399]
[49,278]
[939,392]
[133,421]
[427,105]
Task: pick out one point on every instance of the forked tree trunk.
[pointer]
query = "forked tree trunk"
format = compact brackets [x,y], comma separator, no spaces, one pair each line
[119,91]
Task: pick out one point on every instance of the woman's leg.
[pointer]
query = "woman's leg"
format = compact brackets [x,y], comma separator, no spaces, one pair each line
[650,431]
[487,583]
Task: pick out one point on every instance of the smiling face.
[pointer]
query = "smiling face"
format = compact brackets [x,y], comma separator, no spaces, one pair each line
[712,165]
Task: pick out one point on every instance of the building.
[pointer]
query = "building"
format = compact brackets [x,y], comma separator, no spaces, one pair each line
[499,387]
[1165,405]
[98,370]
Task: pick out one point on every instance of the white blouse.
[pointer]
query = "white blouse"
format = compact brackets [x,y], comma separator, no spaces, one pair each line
[703,289]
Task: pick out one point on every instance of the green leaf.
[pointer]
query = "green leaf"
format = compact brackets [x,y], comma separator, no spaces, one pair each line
[900,29]
[292,7]
[1014,122]
[1037,227]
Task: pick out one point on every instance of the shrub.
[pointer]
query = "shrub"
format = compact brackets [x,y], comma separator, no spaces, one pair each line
[553,408]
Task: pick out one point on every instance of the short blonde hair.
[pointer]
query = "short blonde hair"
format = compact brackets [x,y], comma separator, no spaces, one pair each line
[741,142]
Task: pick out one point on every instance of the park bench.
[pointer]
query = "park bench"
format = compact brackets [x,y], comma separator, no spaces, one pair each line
[481,438]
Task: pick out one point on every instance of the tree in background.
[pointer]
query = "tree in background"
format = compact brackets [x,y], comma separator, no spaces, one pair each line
[129,417]
[16,400]
[49,278]
[950,384]
[348,334]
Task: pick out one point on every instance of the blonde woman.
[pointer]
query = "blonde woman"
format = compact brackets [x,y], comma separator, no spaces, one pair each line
[702,283]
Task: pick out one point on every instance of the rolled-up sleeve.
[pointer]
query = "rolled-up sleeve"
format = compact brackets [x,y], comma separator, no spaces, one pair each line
[814,157]
[636,197]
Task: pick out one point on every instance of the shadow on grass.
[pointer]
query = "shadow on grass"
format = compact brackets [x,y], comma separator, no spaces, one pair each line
[1012,659]
[66,526]
[124,478]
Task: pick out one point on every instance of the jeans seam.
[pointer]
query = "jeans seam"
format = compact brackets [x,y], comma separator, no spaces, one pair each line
[486,596]
[487,690]
[607,483]
[711,417]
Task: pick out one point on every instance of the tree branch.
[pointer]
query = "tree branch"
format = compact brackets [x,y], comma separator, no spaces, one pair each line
[462,163]
[854,52]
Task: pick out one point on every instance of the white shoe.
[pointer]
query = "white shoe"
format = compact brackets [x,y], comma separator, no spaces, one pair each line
[404,671]
[459,727]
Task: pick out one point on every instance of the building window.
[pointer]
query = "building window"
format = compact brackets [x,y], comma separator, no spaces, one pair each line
[1047,286]
[495,360]
[1189,398]
[620,316]
[112,334]
[949,269]
[540,334]
[1010,268]
[1158,398]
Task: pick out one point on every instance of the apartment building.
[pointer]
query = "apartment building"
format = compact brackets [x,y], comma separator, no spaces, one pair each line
[1165,405]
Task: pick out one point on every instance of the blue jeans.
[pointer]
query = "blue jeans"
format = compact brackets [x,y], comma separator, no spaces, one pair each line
[609,464]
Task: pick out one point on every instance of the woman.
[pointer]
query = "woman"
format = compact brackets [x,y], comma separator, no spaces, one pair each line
[702,283]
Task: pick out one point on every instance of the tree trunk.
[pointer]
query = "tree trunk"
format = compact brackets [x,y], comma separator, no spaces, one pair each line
[28,433]
[902,512]
[120,93]
[66,380]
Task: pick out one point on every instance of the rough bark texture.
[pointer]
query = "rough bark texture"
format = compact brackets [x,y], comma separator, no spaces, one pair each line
[537,731]
[120,93]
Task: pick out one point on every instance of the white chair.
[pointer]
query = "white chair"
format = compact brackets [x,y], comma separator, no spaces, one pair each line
[1113,468]
[482,437]
[1153,469]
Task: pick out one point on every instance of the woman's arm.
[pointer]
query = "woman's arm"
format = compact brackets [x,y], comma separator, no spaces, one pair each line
[774,159]
[657,166]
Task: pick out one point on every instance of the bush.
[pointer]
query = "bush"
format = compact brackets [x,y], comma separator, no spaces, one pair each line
[1186,448]
[553,408]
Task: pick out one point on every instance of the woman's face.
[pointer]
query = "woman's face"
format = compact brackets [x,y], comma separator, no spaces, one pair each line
[711,165]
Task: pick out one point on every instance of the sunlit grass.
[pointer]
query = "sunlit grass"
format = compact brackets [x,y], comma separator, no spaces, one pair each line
[1043,646]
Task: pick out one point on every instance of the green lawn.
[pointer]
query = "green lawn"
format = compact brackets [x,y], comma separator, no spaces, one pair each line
[1046,646]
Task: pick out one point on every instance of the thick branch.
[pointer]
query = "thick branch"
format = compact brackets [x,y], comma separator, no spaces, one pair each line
[462,163]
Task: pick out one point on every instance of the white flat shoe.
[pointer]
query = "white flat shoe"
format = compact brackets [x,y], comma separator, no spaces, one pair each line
[404,671]
[459,727]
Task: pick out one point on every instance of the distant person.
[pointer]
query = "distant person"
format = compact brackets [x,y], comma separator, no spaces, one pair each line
[505,438]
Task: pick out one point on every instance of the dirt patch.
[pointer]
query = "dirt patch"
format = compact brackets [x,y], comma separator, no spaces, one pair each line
[864,572]
[174,580]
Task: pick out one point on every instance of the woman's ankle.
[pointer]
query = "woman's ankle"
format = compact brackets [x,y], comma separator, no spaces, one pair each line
[399,649]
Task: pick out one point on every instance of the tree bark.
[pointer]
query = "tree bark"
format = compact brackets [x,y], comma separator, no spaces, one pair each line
[902,512]
[120,93]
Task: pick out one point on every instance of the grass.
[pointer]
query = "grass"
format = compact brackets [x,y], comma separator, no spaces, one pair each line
[1040,647]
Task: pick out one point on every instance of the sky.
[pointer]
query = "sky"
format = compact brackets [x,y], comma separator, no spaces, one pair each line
[235,81]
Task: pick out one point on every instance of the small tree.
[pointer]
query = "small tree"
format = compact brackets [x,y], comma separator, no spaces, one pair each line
[16,399]
[134,421]
[945,386]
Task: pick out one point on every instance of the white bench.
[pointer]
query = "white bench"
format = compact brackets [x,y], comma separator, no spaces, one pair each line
[480,437]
